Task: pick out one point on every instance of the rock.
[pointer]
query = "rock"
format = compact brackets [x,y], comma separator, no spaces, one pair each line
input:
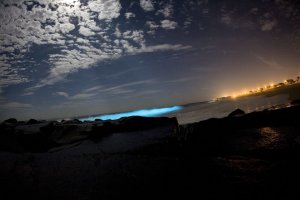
[10,143]
[21,122]
[142,123]
[237,113]
[294,102]
[32,121]
[130,124]
[69,133]
[229,125]
[49,128]
[11,121]
[72,121]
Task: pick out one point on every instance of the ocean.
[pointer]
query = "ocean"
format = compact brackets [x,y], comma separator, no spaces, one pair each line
[217,109]
[204,110]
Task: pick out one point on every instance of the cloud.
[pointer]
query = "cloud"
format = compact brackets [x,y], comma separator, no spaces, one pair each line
[82,41]
[129,15]
[80,33]
[168,24]
[187,22]
[135,35]
[268,25]
[82,96]
[106,9]
[121,73]
[226,19]
[15,105]
[20,29]
[161,47]
[92,92]
[271,63]
[73,60]
[231,18]
[180,80]
[147,5]
[9,75]
[149,81]
[152,26]
[63,94]
[95,88]
[86,31]
[66,28]
[117,32]
[167,11]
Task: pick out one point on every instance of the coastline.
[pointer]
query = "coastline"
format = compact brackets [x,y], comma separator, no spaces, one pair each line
[242,155]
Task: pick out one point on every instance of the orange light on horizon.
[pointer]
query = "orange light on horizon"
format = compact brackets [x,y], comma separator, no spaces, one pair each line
[260,89]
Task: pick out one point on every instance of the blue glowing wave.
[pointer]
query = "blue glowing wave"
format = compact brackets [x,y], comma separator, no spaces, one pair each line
[154,112]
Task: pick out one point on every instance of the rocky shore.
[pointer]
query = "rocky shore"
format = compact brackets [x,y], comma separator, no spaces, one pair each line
[242,156]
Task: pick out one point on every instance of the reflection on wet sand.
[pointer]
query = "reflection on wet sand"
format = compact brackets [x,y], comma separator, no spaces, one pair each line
[270,137]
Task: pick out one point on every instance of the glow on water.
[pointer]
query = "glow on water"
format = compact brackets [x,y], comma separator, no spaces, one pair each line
[154,112]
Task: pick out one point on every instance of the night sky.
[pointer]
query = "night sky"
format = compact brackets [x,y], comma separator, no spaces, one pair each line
[64,58]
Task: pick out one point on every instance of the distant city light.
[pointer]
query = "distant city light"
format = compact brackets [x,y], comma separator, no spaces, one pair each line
[264,88]
[154,112]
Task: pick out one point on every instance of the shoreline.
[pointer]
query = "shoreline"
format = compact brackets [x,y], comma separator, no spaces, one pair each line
[241,155]
[43,131]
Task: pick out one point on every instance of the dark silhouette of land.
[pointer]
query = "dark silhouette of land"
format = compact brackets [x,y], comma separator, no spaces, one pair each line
[290,88]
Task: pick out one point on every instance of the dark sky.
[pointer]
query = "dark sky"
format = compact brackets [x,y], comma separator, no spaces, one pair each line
[63,58]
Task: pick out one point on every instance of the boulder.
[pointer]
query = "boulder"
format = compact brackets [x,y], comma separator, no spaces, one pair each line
[237,113]
[294,102]
[143,123]
[72,121]
[130,124]
[32,121]
[11,121]
[49,127]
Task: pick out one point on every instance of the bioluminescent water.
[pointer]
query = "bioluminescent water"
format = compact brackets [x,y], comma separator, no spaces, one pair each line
[154,112]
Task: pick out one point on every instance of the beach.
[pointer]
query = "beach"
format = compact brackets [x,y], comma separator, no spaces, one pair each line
[249,156]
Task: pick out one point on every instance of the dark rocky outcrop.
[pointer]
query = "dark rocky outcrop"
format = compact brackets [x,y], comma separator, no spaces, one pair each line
[128,124]
[11,121]
[40,136]
[32,121]
[229,134]
[294,102]
[73,121]
[237,113]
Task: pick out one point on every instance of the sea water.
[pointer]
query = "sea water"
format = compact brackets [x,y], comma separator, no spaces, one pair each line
[204,110]
[153,112]
[217,109]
